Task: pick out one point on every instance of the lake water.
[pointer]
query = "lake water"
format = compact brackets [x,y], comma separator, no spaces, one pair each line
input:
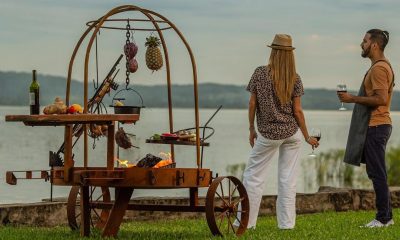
[27,148]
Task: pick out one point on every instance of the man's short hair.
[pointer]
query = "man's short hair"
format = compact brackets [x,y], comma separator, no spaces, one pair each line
[379,36]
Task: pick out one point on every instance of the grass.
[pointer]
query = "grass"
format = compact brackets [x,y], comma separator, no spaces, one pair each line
[331,225]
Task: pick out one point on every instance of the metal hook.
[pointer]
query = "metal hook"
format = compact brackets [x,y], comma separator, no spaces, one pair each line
[95,85]
[132,38]
[94,143]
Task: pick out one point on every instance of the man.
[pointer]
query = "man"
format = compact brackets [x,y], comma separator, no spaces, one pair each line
[371,124]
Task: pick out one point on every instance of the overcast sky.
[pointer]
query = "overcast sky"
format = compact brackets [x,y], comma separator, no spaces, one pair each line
[228,37]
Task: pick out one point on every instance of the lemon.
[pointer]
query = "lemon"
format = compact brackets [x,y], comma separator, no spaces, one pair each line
[118,104]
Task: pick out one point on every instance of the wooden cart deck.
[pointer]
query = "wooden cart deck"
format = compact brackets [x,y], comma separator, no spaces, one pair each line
[144,178]
[64,119]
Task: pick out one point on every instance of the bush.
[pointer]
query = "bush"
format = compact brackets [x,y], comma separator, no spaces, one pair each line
[393,165]
[330,170]
[236,170]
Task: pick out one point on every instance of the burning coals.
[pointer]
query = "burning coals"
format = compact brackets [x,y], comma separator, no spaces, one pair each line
[150,161]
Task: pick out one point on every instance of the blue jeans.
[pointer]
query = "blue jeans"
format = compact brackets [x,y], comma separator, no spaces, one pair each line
[374,156]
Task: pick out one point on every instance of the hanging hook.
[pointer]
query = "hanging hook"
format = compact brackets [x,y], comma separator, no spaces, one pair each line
[132,29]
[95,86]
[94,143]
[132,38]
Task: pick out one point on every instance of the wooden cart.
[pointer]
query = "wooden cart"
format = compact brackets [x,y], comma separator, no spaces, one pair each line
[226,196]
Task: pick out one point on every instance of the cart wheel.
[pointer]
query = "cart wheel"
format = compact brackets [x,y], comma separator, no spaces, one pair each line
[98,217]
[222,206]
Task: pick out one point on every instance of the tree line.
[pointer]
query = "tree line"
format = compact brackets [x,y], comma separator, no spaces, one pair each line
[15,87]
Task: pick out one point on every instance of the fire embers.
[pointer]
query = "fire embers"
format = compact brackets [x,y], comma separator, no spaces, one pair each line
[148,161]
[151,161]
[125,163]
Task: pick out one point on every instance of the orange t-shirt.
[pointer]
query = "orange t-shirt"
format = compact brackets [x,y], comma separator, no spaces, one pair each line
[379,77]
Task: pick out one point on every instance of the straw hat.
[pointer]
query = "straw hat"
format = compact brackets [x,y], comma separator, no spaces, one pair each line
[282,42]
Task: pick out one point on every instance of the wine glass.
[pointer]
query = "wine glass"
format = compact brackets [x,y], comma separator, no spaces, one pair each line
[315,133]
[341,88]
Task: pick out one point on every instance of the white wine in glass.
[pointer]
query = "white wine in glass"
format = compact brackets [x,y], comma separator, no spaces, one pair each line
[341,88]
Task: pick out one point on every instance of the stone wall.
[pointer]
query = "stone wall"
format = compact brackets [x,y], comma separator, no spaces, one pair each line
[34,214]
[326,199]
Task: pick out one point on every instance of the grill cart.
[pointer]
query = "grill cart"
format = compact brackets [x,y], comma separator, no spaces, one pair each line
[90,203]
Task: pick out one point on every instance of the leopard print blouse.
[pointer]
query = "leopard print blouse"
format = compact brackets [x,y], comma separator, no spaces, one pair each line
[274,121]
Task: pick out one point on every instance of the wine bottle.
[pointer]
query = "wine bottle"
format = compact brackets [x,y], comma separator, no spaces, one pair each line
[34,95]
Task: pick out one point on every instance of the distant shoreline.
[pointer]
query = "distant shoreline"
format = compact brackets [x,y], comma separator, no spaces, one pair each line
[210,95]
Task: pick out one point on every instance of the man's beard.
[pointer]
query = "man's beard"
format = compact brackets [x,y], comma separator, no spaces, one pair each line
[365,52]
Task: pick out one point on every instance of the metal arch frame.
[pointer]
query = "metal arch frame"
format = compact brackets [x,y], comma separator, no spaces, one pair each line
[132,28]
[148,14]
[126,180]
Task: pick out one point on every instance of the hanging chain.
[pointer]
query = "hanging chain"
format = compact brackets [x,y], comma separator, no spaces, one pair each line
[127,43]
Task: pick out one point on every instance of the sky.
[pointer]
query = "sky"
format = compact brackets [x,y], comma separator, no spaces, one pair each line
[228,38]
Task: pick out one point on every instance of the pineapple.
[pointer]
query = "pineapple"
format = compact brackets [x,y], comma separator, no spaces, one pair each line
[154,60]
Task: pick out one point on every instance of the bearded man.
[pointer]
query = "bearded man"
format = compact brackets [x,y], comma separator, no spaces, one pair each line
[371,124]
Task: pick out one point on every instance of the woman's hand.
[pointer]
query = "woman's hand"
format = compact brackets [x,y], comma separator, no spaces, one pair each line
[252,136]
[313,142]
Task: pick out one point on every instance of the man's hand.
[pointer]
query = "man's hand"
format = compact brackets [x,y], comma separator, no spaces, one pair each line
[345,97]
[252,136]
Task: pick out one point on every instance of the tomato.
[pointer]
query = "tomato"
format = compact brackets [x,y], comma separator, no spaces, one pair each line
[75,108]
[169,135]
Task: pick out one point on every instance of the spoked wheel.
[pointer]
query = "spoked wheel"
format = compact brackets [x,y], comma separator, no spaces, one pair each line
[222,206]
[98,217]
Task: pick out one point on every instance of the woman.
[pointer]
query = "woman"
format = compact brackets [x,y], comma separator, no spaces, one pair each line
[276,90]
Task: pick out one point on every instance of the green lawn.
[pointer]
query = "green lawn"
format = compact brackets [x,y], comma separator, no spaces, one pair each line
[330,225]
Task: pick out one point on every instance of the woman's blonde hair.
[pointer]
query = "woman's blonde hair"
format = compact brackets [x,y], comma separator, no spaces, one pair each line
[283,70]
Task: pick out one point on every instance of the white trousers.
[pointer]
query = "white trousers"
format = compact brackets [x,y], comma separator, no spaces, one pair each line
[256,172]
